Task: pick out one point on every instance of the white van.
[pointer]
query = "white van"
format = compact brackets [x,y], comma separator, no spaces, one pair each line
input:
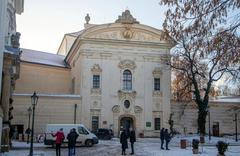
[85,136]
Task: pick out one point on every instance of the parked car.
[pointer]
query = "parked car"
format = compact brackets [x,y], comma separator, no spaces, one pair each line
[105,134]
[85,136]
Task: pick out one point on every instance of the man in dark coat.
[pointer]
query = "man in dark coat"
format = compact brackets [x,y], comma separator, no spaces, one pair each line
[123,141]
[132,139]
[72,137]
[167,138]
[162,137]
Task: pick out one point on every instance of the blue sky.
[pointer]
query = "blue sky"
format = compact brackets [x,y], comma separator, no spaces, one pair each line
[44,22]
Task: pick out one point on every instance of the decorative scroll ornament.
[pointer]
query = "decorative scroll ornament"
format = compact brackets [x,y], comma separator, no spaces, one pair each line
[137,109]
[127,64]
[157,72]
[126,94]
[96,91]
[126,18]
[96,69]
[116,109]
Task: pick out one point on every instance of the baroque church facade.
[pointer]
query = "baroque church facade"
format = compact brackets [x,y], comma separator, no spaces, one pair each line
[110,75]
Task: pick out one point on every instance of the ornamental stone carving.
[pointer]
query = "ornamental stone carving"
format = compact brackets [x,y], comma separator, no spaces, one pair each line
[157,93]
[96,69]
[96,91]
[116,109]
[137,109]
[127,94]
[127,64]
[126,18]
[157,72]
[128,32]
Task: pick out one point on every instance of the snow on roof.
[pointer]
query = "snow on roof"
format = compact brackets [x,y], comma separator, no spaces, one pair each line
[39,57]
[49,95]
[227,99]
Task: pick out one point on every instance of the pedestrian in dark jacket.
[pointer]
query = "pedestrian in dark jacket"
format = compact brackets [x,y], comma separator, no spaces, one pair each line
[72,137]
[162,137]
[123,141]
[167,138]
[59,139]
[132,139]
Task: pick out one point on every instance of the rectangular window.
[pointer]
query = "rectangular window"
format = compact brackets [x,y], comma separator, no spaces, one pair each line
[157,124]
[96,81]
[156,83]
[95,121]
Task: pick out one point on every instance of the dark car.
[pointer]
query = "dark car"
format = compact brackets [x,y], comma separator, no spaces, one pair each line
[105,134]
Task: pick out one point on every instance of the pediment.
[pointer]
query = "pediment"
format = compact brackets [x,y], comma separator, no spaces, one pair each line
[130,32]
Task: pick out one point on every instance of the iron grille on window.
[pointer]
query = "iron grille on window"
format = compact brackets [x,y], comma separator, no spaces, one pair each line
[157,124]
[96,81]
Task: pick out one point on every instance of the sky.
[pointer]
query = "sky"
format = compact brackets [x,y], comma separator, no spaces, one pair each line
[44,22]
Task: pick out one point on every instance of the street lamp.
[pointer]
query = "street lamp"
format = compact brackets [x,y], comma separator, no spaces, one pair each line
[29,118]
[34,100]
[209,125]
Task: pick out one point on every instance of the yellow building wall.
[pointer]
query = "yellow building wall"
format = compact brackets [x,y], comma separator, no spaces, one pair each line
[50,109]
[43,79]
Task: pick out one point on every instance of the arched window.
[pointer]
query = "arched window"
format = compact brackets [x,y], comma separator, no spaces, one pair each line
[127,80]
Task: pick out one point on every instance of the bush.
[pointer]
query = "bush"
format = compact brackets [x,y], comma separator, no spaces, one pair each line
[222,147]
[195,143]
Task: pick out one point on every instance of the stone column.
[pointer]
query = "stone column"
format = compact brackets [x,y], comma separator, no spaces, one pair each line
[5,104]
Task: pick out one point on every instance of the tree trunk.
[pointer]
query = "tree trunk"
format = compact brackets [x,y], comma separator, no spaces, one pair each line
[202,114]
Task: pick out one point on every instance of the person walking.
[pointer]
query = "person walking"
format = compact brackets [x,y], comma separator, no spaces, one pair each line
[162,137]
[132,136]
[167,138]
[123,141]
[72,137]
[59,139]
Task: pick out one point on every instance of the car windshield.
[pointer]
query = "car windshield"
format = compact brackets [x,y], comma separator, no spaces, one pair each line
[82,130]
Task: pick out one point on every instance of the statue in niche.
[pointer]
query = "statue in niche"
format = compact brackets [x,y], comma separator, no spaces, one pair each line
[15,40]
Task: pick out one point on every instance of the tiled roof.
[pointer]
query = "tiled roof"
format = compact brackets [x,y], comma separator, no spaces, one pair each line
[39,57]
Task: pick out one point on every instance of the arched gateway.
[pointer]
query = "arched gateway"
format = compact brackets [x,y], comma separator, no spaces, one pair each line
[126,122]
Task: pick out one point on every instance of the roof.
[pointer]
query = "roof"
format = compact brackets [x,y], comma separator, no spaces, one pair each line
[39,57]
[75,34]
[227,99]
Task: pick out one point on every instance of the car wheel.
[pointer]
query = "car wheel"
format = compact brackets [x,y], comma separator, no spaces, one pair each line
[89,143]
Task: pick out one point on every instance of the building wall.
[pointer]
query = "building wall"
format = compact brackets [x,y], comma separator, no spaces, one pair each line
[49,109]
[185,117]
[43,79]
[146,60]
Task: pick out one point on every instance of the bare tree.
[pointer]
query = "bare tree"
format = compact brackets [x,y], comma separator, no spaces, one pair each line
[208,45]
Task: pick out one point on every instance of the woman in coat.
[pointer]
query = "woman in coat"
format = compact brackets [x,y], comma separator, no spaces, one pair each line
[123,141]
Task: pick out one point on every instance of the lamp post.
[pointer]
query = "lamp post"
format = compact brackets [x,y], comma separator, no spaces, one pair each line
[236,127]
[75,113]
[209,125]
[34,100]
[29,118]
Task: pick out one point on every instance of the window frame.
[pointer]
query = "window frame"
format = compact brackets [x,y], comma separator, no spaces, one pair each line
[96,81]
[127,80]
[157,123]
[156,84]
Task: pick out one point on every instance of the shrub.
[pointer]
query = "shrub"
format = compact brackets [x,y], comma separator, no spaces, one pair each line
[222,147]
